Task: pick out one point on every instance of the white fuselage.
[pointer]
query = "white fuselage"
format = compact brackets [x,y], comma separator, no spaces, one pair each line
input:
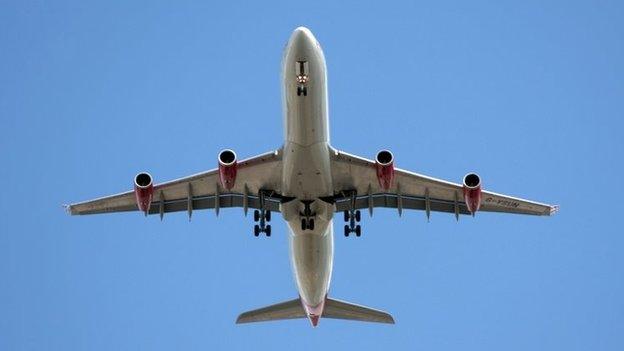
[307,172]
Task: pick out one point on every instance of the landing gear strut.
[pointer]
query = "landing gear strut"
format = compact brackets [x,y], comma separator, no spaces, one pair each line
[352,217]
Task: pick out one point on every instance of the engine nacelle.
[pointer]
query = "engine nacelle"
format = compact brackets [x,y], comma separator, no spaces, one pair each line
[143,191]
[384,162]
[472,192]
[227,168]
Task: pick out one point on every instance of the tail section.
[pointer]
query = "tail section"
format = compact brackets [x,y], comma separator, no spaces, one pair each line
[334,309]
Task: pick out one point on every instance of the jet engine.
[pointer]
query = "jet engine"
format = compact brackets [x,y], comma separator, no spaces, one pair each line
[472,192]
[143,191]
[227,168]
[384,162]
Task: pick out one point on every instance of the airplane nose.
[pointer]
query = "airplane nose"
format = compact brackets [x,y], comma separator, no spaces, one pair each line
[302,36]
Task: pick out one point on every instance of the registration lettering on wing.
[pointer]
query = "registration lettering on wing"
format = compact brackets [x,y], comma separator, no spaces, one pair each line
[502,202]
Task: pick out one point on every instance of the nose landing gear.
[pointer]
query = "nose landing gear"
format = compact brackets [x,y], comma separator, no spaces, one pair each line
[352,217]
[301,70]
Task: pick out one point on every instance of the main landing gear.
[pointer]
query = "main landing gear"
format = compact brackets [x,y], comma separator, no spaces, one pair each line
[307,217]
[352,217]
[262,217]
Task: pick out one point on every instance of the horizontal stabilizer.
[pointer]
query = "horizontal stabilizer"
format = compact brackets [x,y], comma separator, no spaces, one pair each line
[285,310]
[337,309]
[334,309]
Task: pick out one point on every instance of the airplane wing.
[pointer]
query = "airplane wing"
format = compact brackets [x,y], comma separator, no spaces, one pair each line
[357,187]
[257,185]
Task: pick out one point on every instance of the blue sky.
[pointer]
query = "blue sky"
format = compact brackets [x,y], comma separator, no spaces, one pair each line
[527,93]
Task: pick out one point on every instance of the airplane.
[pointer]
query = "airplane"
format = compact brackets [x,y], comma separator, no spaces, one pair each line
[307,181]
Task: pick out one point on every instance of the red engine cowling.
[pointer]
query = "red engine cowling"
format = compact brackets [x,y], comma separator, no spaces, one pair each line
[385,168]
[143,191]
[227,168]
[472,192]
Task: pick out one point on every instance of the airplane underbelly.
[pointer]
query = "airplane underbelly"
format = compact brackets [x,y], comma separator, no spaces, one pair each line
[312,260]
[306,177]
[307,173]
[306,166]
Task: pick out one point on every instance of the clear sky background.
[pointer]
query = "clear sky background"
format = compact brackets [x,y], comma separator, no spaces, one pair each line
[530,94]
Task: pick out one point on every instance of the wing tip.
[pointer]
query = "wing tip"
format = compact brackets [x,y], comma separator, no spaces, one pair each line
[388,319]
[68,209]
[244,318]
[553,209]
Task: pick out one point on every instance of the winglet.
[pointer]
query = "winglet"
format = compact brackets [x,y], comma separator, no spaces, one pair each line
[553,209]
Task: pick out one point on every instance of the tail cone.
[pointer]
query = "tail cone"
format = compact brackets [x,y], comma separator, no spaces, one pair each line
[314,312]
[314,319]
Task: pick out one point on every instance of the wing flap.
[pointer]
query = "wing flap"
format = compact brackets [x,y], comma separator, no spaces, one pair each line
[209,202]
[407,202]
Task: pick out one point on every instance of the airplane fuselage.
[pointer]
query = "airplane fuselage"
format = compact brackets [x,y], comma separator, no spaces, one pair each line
[307,172]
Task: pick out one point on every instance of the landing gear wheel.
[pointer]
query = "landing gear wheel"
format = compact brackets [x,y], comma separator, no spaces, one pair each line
[256,230]
[256,215]
[267,216]
[299,91]
[346,230]
[358,230]
[358,216]
[305,91]
[311,223]
[267,230]
[346,216]
[304,225]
